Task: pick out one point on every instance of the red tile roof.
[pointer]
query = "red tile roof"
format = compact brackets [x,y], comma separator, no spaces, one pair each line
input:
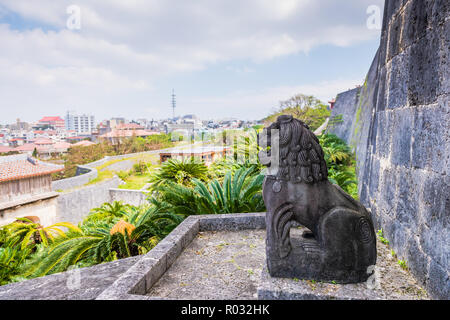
[26,147]
[127,133]
[42,141]
[47,119]
[5,149]
[15,168]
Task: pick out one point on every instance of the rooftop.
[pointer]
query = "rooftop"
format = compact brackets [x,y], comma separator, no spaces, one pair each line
[127,133]
[48,119]
[21,166]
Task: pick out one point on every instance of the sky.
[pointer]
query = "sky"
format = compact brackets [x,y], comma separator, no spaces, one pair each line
[223,58]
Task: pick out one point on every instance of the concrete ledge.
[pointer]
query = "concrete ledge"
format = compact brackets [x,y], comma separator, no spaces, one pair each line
[136,281]
[39,197]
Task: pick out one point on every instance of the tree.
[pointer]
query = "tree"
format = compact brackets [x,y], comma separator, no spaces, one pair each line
[306,108]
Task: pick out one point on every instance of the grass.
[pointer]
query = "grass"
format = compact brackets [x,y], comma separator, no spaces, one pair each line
[102,176]
[135,182]
[403,264]
[153,158]
[381,237]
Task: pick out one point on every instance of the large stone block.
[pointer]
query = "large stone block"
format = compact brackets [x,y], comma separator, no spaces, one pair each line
[397,96]
[403,122]
[423,70]
[430,145]
[439,283]
[417,260]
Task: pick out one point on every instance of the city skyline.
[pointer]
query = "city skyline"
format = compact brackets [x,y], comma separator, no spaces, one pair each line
[125,59]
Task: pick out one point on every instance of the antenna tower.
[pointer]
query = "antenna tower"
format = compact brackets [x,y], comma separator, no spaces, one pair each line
[174,103]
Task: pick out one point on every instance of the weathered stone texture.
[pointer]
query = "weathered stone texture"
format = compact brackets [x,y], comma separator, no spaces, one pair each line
[93,281]
[403,161]
[76,205]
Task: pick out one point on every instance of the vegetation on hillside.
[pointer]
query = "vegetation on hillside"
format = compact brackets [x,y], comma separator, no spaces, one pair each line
[82,155]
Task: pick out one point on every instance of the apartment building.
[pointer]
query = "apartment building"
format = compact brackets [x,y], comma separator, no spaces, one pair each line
[80,123]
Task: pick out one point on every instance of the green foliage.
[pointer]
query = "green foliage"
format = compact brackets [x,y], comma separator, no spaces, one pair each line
[340,163]
[402,264]
[306,108]
[381,237]
[10,261]
[107,212]
[100,240]
[26,234]
[336,152]
[140,168]
[240,192]
[86,154]
[177,171]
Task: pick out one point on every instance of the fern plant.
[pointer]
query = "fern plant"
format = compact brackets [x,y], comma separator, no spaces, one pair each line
[335,150]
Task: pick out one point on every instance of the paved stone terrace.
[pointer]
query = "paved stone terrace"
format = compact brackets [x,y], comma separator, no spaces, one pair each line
[228,265]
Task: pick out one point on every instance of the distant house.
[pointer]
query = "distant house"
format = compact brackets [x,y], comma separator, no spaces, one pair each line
[55,122]
[44,147]
[207,154]
[126,130]
[6,149]
[25,189]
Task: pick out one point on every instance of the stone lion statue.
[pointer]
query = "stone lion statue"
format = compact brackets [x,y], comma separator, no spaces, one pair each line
[340,244]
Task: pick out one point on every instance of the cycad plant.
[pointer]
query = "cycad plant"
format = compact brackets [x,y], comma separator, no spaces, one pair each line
[107,212]
[24,233]
[135,232]
[10,261]
[178,171]
[239,192]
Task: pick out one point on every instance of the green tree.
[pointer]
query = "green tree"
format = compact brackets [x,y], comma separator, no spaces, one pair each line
[306,108]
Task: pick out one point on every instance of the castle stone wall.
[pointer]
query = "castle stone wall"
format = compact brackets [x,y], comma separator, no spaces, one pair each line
[401,133]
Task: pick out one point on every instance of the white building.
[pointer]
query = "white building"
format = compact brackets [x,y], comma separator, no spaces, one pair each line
[83,123]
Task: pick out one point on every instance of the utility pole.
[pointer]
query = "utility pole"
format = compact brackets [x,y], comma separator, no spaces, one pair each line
[174,103]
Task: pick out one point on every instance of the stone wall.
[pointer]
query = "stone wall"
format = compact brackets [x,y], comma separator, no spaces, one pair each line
[74,206]
[87,172]
[401,133]
[84,175]
[45,209]
[343,113]
[133,197]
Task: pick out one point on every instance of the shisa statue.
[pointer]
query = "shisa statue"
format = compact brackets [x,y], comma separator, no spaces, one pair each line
[339,242]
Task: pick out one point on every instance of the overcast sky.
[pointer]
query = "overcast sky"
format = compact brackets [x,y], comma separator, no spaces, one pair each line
[224,58]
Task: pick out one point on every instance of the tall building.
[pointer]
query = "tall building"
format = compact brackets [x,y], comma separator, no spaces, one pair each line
[83,123]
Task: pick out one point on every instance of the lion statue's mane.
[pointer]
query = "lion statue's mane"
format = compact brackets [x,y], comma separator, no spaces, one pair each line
[301,156]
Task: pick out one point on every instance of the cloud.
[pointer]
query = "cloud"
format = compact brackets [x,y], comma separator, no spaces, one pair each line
[127,46]
[258,104]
